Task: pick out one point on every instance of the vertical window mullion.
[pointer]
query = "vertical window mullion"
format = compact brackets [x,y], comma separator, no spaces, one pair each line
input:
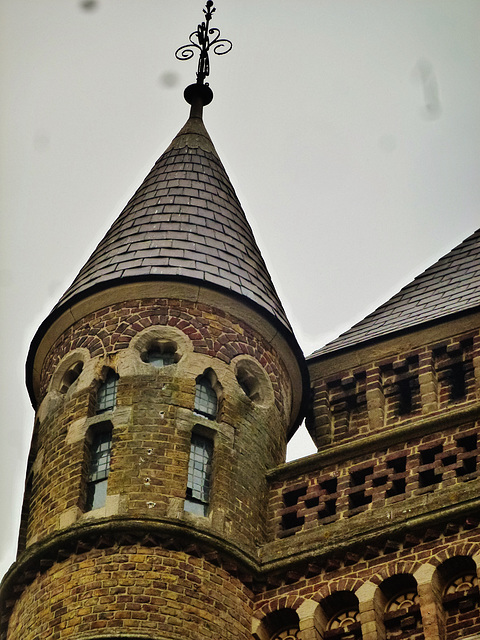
[99,468]
[199,475]
[107,393]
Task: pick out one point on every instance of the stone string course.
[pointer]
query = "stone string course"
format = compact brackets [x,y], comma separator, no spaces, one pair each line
[161,593]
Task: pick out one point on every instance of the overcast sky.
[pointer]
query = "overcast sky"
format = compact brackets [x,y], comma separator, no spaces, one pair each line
[349,129]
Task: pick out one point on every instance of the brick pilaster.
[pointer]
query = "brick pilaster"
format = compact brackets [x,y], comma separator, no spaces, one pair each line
[428,383]
[431,609]
[375,398]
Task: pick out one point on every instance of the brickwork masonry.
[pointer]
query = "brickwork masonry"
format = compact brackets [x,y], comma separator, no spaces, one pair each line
[150,592]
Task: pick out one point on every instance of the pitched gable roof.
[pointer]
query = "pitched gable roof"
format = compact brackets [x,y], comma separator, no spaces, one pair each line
[450,286]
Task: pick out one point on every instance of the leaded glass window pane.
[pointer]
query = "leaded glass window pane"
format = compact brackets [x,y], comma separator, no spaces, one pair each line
[107,393]
[199,475]
[100,453]
[205,398]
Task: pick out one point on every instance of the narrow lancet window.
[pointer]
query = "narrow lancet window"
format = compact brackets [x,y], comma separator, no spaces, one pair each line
[99,467]
[206,403]
[107,393]
[199,475]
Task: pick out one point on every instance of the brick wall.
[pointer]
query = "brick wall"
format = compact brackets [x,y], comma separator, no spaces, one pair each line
[414,576]
[133,589]
[390,391]
[153,420]
[414,475]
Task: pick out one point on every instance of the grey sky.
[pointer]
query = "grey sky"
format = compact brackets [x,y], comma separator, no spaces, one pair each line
[349,129]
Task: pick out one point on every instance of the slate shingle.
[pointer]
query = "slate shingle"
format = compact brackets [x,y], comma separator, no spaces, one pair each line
[451,285]
[185,219]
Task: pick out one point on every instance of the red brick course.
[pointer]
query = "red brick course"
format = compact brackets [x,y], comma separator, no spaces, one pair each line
[211,330]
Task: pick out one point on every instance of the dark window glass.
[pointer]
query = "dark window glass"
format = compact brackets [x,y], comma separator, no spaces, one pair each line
[205,398]
[107,393]
[100,452]
[199,475]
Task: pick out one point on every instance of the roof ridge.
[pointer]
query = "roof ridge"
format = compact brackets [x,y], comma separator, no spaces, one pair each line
[435,293]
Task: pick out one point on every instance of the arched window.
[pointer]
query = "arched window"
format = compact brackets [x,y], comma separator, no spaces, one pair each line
[206,402]
[107,392]
[199,475]
[342,612]
[282,624]
[402,608]
[459,580]
[99,453]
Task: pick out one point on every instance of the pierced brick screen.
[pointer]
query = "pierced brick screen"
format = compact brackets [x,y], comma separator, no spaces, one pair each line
[383,478]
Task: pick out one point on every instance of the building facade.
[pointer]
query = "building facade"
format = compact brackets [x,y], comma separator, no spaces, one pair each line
[167,381]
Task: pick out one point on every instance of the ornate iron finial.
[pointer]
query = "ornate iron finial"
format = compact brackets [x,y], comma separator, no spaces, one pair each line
[200,39]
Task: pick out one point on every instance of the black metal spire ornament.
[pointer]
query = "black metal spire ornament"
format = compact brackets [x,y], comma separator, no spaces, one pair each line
[203,39]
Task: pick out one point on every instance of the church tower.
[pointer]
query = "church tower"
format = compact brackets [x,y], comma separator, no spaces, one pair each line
[165,382]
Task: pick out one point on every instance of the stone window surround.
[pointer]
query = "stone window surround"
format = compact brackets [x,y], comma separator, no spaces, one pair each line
[78,431]
[250,373]
[208,395]
[216,432]
[80,355]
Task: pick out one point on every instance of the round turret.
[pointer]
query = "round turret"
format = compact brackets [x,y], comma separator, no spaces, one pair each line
[166,381]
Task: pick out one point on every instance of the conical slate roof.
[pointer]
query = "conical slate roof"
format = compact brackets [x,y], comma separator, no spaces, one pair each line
[451,285]
[185,221]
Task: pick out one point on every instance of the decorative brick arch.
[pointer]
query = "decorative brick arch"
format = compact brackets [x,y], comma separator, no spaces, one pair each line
[69,343]
[110,330]
[343,584]
[469,549]
[408,567]
[278,603]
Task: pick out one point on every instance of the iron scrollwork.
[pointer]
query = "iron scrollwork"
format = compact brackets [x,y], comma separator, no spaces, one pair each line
[203,39]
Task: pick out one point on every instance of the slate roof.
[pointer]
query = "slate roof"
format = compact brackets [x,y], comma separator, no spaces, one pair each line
[451,285]
[184,221]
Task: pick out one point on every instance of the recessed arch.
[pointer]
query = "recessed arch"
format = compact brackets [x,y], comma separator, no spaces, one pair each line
[342,615]
[401,607]
[69,370]
[458,581]
[253,380]
[281,624]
